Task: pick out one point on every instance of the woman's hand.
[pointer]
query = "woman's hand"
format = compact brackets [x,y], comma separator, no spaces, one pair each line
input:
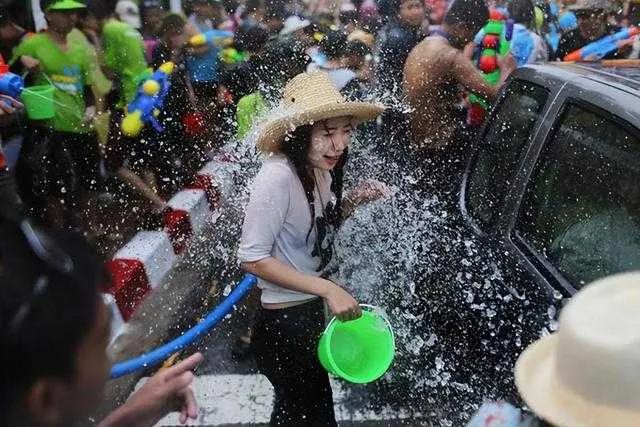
[341,303]
[367,191]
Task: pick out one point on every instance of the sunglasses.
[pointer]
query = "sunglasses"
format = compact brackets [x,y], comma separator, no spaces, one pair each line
[52,256]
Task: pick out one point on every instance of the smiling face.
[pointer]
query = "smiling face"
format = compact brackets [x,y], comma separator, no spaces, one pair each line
[329,140]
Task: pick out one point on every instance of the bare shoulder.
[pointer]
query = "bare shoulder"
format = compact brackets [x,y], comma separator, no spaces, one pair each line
[432,51]
[431,57]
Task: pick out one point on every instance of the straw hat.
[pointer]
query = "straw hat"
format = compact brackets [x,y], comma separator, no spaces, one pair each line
[307,98]
[588,373]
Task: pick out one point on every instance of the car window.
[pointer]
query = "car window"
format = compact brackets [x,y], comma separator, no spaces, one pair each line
[505,141]
[581,209]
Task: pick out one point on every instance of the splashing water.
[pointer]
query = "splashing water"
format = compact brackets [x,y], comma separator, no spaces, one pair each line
[458,322]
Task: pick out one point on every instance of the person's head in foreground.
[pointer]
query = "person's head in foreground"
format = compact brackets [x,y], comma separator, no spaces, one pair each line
[463,20]
[55,330]
[314,123]
[592,17]
[588,373]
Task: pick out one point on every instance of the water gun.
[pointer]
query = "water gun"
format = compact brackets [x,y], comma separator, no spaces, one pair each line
[10,84]
[498,32]
[598,49]
[217,38]
[148,102]
[232,56]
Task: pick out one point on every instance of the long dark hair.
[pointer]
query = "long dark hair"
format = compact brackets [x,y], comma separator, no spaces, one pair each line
[296,147]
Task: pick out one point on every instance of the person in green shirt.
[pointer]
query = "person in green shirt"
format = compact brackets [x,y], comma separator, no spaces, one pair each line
[124,60]
[61,155]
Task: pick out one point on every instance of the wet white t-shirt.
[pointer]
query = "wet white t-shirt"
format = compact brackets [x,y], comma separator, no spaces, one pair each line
[277,223]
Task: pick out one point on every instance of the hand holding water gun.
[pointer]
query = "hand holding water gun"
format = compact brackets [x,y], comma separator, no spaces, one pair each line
[217,38]
[598,49]
[148,102]
[495,44]
[10,84]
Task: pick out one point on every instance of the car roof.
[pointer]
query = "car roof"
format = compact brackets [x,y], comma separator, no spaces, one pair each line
[613,73]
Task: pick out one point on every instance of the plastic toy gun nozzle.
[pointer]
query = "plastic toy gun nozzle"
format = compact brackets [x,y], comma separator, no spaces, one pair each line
[198,40]
[132,124]
[217,38]
[167,67]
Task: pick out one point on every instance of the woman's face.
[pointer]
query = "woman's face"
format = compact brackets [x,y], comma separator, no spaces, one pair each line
[329,139]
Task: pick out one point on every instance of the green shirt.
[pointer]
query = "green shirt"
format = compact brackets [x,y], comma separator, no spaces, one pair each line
[101,83]
[249,108]
[69,73]
[124,55]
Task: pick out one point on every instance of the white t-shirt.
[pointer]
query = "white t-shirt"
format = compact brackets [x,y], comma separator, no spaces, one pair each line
[277,223]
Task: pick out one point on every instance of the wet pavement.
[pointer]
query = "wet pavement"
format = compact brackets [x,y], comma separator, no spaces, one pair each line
[459,323]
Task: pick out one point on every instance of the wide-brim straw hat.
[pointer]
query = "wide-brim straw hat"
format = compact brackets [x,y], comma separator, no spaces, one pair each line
[588,373]
[308,98]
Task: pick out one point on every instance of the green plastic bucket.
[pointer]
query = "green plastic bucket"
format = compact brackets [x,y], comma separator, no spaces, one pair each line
[359,351]
[38,102]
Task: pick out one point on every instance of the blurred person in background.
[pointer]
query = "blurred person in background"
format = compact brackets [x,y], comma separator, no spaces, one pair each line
[394,42]
[152,13]
[58,169]
[593,24]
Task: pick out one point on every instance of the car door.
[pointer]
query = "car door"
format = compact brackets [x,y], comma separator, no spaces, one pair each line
[504,141]
[578,217]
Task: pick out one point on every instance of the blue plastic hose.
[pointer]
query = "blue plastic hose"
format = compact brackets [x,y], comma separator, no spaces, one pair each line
[160,354]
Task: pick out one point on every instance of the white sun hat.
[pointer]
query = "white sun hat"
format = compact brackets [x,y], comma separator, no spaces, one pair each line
[293,24]
[588,373]
[308,98]
[129,13]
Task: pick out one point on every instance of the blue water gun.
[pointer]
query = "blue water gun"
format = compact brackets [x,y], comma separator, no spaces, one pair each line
[10,84]
[148,102]
[598,49]
[217,38]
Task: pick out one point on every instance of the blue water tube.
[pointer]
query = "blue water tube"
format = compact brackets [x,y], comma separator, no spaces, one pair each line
[160,354]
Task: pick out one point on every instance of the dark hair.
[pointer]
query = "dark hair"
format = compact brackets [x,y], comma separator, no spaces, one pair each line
[296,147]
[45,341]
[521,11]
[4,16]
[253,5]
[276,11]
[473,14]
[334,44]
[357,48]
[250,37]
[101,9]
[230,6]
[171,22]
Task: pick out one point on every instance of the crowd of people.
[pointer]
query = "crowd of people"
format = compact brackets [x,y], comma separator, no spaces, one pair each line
[332,69]
[73,169]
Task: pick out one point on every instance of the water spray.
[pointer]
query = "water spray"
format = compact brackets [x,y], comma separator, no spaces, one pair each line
[212,319]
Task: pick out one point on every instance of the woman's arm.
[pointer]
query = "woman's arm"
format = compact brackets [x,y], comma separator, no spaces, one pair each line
[340,302]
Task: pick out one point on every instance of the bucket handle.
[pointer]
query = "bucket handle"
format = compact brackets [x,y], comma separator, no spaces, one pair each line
[371,308]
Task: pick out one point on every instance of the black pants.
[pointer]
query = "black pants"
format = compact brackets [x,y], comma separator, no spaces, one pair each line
[285,345]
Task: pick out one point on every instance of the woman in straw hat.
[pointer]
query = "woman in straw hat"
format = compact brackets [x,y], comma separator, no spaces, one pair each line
[588,373]
[295,206]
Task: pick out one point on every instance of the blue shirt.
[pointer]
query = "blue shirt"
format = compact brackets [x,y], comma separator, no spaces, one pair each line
[205,67]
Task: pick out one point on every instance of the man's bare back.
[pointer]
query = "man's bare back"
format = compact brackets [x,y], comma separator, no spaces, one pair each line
[433,75]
